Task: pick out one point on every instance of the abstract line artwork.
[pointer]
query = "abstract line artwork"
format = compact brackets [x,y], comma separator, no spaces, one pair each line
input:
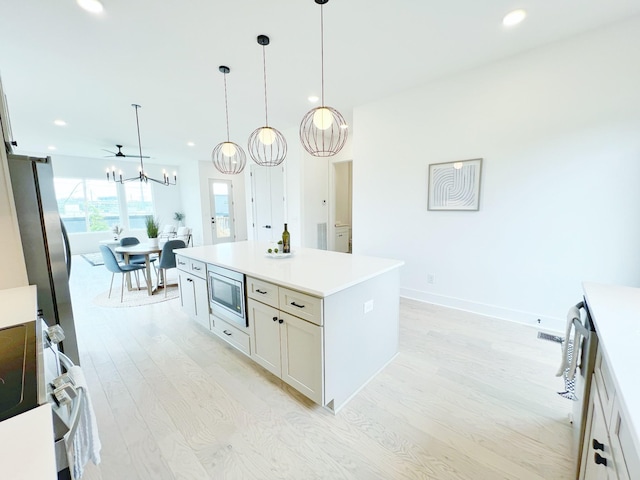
[455,185]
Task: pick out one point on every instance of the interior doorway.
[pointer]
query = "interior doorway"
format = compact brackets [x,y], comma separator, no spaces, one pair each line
[343,204]
[222,217]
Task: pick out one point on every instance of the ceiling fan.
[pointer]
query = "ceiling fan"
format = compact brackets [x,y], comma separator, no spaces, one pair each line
[119,154]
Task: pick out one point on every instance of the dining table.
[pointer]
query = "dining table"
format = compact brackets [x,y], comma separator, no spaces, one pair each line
[145,249]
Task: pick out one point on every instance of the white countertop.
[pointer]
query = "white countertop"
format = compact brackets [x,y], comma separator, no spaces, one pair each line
[616,313]
[317,272]
[19,305]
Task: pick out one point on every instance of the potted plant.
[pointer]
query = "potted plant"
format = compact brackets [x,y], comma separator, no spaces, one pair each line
[153,227]
[179,217]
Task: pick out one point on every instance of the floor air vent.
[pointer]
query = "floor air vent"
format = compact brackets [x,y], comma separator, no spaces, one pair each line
[551,338]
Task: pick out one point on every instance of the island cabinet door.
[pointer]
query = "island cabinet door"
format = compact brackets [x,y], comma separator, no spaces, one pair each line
[201,303]
[187,293]
[302,362]
[266,336]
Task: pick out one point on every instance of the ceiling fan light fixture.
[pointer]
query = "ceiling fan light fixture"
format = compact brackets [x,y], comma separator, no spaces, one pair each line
[228,157]
[321,130]
[267,146]
[91,6]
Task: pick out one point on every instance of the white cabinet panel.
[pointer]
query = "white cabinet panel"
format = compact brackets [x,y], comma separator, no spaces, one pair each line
[302,363]
[266,336]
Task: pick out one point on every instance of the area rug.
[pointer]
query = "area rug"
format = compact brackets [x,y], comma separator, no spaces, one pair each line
[134,298]
[94,259]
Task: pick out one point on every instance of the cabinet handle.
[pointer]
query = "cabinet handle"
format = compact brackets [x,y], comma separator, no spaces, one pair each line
[189,280]
[281,321]
[600,460]
[296,305]
[275,319]
[226,332]
[597,445]
[195,268]
[260,291]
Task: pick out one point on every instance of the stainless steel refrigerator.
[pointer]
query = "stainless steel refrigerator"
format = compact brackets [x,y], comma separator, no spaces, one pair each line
[44,242]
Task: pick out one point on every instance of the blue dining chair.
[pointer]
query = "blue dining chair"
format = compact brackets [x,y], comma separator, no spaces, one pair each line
[114,267]
[168,260]
[130,241]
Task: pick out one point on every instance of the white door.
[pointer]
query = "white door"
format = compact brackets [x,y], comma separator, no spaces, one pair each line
[222,218]
[267,200]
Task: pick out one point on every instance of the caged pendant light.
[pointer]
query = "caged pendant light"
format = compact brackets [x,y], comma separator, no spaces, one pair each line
[267,146]
[323,130]
[228,157]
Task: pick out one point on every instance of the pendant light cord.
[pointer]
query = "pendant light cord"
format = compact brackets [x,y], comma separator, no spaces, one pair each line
[226,106]
[264,69]
[139,143]
[322,49]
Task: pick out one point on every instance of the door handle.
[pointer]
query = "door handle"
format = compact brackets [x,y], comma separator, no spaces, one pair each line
[266,226]
[599,459]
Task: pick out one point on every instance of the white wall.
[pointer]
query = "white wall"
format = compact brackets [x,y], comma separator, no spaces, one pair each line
[559,131]
[167,199]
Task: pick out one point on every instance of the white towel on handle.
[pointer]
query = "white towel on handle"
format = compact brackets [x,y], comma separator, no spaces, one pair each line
[85,444]
[574,312]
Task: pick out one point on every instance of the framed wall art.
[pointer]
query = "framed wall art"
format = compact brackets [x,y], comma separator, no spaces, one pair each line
[455,185]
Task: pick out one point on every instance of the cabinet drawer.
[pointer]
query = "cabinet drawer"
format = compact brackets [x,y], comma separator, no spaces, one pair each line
[182,263]
[264,292]
[197,268]
[604,383]
[232,335]
[301,305]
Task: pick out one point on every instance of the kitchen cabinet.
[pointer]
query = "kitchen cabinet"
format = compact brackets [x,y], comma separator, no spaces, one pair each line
[608,451]
[285,344]
[340,315]
[597,461]
[192,283]
[343,233]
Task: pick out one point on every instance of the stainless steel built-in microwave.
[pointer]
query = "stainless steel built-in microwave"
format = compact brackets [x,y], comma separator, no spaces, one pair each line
[226,294]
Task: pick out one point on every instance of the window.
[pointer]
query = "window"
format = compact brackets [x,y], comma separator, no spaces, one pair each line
[139,203]
[87,205]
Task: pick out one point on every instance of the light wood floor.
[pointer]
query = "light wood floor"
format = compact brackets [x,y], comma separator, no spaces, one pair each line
[468,397]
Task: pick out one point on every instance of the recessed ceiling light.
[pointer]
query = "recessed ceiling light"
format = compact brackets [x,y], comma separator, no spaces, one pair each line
[93,6]
[313,98]
[191,144]
[60,123]
[514,18]
[51,147]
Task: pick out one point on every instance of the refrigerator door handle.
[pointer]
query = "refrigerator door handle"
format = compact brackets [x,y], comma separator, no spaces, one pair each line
[67,248]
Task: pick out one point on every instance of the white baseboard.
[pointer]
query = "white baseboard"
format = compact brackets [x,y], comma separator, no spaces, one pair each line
[527,318]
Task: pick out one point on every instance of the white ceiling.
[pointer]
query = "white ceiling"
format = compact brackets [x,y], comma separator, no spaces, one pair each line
[58,61]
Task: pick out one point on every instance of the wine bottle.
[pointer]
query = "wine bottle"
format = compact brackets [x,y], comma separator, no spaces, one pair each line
[286,247]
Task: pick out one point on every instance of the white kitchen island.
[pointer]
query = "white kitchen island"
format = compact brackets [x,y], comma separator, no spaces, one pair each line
[328,350]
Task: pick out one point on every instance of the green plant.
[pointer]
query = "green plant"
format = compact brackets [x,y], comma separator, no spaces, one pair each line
[153,226]
[178,216]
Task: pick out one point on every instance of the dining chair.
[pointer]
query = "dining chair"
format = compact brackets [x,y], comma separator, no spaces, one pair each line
[168,260]
[136,259]
[114,267]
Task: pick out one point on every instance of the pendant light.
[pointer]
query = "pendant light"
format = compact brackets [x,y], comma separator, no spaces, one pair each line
[323,130]
[142,176]
[228,157]
[267,146]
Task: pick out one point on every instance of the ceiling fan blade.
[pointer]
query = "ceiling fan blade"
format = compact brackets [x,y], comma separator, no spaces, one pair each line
[108,151]
[136,156]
